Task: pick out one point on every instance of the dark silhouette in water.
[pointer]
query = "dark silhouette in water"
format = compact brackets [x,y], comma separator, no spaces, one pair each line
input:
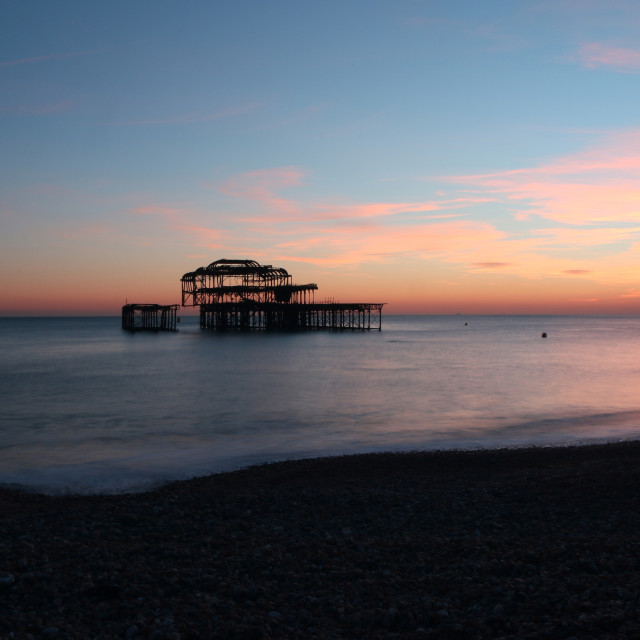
[245,295]
[149,317]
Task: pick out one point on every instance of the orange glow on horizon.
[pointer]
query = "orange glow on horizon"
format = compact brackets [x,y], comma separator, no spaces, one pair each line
[570,243]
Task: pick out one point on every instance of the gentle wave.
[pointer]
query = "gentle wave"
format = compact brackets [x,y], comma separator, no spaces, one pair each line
[88,408]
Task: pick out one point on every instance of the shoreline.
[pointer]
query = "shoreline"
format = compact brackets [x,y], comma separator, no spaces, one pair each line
[148,486]
[525,543]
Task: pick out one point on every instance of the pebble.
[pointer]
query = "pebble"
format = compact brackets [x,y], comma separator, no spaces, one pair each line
[512,544]
[6,580]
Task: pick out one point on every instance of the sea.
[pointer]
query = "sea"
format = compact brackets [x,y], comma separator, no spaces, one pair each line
[88,408]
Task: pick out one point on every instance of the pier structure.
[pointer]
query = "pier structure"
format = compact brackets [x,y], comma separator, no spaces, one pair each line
[150,317]
[245,295]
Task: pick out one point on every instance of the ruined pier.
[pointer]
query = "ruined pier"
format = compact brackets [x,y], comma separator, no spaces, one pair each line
[150,317]
[245,295]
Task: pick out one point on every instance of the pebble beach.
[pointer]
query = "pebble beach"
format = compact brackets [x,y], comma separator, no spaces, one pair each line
[508,543]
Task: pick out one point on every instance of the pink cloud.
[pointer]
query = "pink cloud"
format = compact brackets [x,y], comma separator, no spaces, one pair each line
[492,265]
[354,233]
[594,186]
[344,245]
[204,236]
[463,243]
[179,219]
[322,212]
[335,233]
[262,186]
[159,210]
[170,215]
[381,209]
[589,237]
[253,184]
[596,54]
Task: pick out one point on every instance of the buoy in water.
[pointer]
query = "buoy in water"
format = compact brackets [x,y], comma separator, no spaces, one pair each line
[544,335]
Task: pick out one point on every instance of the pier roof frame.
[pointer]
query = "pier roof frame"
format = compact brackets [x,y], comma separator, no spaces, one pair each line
[242,280]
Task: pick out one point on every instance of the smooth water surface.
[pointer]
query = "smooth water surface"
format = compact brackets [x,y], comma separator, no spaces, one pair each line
[88,407]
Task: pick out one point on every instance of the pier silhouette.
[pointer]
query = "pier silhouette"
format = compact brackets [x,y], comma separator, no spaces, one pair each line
[245,295]
[150,317]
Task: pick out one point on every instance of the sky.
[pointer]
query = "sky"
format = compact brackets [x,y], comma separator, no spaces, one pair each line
[440,156]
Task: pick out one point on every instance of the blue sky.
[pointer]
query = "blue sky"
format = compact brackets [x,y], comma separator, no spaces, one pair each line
[439,156]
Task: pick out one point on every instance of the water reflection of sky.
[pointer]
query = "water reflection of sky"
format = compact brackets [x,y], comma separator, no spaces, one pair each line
[170,405]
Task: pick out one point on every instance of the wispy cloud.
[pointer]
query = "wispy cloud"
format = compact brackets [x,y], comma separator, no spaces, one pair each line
[183,220]
[49,57]
[598,185]
[383,209]
[492,265]
[203,236]
[583,248]
[489,32]
[84,232]
[592,195]
[424,21]
[172,214]
[297,117]
[255,184]
[190,118]
[596,54]
[263,186]
[381,243]
[500,41]
[335,233]
[592,236]
[37,110]
[590,203]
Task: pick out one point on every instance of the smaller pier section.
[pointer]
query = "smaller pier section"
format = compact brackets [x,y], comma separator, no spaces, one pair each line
[150,317]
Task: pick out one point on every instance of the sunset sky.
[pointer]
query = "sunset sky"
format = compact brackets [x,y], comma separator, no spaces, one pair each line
[442,156]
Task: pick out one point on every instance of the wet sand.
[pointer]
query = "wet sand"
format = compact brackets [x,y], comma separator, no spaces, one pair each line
[526,543]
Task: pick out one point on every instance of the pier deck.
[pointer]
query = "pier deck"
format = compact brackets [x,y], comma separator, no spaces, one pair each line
[291,316]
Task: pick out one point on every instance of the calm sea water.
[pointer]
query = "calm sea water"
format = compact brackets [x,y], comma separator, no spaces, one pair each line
[87,407]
